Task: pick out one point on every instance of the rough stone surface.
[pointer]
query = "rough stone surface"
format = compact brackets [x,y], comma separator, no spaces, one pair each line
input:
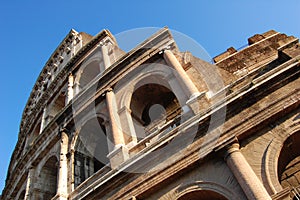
[90,134]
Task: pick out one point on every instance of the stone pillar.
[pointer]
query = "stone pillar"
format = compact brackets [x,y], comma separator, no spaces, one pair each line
[70,88]
[29,184]
[188,84]
[120,153]
[117,134]
[127,125]
[249,182]
[62,186]
[105,56]
[72,171]
[44,121]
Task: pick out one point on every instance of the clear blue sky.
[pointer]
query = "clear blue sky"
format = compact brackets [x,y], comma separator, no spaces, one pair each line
[32,29]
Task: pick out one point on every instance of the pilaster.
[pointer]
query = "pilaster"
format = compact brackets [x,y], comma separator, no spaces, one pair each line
[181,74]
[70,88]
[249,182]
[62,188]
[120,153]
[29,184]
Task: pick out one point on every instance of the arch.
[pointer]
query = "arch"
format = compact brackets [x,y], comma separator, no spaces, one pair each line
[205,191]
[34,134]
[80,122]
[47,179]
[90,149]
[152,106]
[271,158]
[289,163]
[154,73]
[89,69]
[203,195]
[55,107]
[22,195]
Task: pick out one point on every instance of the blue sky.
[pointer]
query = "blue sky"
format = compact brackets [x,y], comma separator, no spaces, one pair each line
[31,30]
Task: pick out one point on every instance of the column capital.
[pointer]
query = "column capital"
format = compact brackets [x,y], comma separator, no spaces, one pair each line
[106,90]
[110,89]
[63,131]
[232,148]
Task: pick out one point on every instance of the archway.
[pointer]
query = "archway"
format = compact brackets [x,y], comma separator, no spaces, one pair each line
[90,71]
[203,195]
[152,106]
[91,150]
[48,179]
[22,195]
[289,165]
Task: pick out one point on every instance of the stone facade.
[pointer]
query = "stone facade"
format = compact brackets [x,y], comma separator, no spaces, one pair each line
[157,123]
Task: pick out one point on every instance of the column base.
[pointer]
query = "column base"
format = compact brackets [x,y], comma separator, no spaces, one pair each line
[118,156]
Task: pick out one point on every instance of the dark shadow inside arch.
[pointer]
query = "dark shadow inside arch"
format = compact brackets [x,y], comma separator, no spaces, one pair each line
[48,179]
[89,73]
[289,164]
[91,150]
[152,106]
[22,195]
[203,195]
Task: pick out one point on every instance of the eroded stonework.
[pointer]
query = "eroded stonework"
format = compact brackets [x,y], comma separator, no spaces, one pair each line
[157,123]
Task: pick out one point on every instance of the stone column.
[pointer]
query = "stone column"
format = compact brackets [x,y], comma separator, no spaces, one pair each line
[105,56]
[62,188]
[44,121]
[70,88]
[29,184]
[249,182]
[120,153]
[127,125]
[117,134]
[72,171]
[188,84]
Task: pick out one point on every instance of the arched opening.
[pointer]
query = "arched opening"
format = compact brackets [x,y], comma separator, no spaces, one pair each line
[55,107]
[48,179]
[34,134]
[289,165]
[22,195]
[89,73]
[153,106]
[203,195]
[91,150]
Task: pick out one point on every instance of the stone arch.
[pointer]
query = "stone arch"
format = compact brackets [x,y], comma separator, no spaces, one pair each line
[289,164]
[271,159]
[83,120]
[21,191]
[57,104]
[152,106]
[44,160]
[205,191]
[146,74]
[90,149]
[22,195]
[47,179]
[89,69]
[33,134]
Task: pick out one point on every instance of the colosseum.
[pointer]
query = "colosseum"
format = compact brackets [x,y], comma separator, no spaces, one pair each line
[158,123]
